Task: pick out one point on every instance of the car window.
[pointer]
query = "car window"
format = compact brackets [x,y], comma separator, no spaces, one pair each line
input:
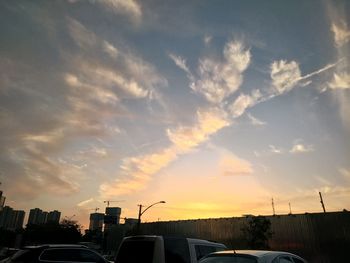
[229,259]
[26,255]
[176,250]
[59,254]
[297,260]
[70,254]
[136,251]
[89,256]
[203,250]
[285,259]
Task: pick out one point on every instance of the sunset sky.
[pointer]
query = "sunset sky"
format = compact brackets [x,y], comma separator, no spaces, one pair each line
[212,106]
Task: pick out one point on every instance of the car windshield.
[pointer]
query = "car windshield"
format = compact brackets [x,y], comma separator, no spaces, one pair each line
[229,259]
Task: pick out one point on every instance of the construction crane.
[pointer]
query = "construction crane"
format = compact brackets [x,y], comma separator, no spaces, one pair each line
[112,201]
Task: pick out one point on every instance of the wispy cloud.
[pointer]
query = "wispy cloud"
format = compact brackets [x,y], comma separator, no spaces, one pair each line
[83,101]
[85,202]
[225,76]
[287,75]
[284,75]
[81,35]
[301,148]
[110,49]
[341,33]
[345,173]
[101,94]
[231,165]
[139,170]
[217,80]
[129,8]
[275,149]
[209,122]
[255,121]
[131,74]
[181,63]
[207,39]
[340,81]
[243,102]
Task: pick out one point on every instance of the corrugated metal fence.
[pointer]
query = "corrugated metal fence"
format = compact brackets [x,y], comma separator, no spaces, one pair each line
[318,237]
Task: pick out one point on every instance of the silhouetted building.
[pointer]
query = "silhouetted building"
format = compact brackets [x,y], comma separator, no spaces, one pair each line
[6,217]
[18,219]
[43,218]
[96,221]
[35,216]
[131,221]
[54,216]
[11,219]
[39,217]
[2,201]
[112,217]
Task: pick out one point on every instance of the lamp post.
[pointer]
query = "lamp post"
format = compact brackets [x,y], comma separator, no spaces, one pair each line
[142,212]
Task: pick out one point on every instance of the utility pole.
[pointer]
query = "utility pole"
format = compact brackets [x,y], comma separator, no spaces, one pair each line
[321,200]
[273,207]
[290,209]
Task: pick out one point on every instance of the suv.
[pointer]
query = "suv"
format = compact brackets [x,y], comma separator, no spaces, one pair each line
[55,254]
[161,249]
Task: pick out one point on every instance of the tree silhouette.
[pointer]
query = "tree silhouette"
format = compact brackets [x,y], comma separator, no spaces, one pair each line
[257,232]
[52,233]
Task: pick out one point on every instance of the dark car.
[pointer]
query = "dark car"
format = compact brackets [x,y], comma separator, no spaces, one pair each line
[7,252]
[54,254]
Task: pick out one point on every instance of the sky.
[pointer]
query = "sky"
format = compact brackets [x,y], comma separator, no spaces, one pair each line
[215,107]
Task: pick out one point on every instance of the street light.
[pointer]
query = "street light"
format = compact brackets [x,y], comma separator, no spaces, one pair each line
[142,212]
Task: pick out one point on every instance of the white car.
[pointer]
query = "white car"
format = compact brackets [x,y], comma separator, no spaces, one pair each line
[164,249]
[252,256]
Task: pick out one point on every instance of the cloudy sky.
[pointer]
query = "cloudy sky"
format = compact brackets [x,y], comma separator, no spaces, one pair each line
[213,106]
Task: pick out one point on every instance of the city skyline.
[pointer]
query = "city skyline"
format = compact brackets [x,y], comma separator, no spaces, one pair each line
[215,108]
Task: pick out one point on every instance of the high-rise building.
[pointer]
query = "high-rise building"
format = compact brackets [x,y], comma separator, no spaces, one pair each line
[112,217]
[11,219]
[6,217]
[35,216]
[96,221]
[2,201]
[39,217]
[18,219]
[54,216]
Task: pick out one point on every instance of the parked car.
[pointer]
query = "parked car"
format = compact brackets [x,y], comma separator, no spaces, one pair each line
[252,256]
[162,249]
[7,252]
[54,254]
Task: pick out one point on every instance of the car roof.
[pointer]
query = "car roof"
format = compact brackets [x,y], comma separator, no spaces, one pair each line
[55,246]
[255,253]
[203,241]
[190,240]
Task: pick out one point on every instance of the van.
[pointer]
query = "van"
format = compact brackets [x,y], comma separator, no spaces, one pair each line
[163,249]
